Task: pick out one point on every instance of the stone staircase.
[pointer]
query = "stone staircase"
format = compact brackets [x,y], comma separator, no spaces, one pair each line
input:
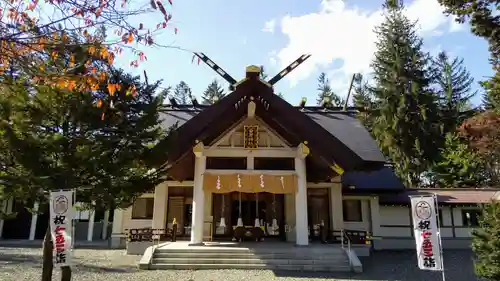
[325,258]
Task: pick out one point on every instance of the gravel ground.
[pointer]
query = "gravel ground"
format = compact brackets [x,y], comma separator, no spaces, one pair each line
[24,264]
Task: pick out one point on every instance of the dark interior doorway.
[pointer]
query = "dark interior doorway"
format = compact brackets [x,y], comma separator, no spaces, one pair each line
[42,222]
[318,211]
[19,226]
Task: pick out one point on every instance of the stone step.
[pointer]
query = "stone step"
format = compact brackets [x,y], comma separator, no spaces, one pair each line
[188,266]
[253,251]
[250,261]
[250,255]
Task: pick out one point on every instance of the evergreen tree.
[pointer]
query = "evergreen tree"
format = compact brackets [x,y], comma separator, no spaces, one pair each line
[213,93]
[165,92]
[486,243]
[406,106]
[363,99]
[326,92]
[182,92]
[485,23]
[459,166]
[263,74]
[97,143]
[453,83]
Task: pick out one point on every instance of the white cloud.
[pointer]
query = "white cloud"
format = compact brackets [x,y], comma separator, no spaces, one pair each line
[346,33]
[269,26]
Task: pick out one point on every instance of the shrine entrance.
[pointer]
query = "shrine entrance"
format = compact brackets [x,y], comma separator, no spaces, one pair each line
[236,210]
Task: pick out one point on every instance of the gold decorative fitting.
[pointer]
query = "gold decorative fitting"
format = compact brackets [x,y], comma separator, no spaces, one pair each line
[305,148]
[337,169]
[198,147]
[251,136]
[253,68]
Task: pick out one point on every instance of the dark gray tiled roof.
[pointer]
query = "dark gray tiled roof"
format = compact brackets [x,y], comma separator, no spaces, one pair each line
[343,125]
[179,117]
[350,131]
[383,179]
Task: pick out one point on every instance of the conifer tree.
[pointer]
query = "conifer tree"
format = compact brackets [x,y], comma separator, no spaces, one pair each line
[213,93]
[454,86]
[459,166]
[363,99]
[485,23]
[486,243]
[55,139]
[263,74]
[182,92]
[326,92]
[405,126]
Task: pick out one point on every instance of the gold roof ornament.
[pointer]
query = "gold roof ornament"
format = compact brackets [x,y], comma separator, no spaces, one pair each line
[337,169]
[253,68]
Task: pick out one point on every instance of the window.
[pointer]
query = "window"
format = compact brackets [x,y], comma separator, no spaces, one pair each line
[352,210]
[470,217]
[440,214]
[143,209]
[265,163]
[227,163]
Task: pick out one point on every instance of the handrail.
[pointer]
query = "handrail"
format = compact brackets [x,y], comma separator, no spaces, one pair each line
[344,235]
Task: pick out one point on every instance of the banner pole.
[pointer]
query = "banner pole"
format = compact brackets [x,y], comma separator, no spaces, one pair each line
[73,224]
[436,204]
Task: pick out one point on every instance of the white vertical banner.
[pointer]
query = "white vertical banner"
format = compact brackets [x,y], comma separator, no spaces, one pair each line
[426,232]
[61,215]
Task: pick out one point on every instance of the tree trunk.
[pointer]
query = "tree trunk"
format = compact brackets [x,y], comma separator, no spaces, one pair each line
[65,273]
[47,256]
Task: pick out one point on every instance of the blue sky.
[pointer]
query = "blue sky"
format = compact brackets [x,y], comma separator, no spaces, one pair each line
[337,33]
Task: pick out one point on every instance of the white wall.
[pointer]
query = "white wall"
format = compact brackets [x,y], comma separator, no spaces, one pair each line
[393,216]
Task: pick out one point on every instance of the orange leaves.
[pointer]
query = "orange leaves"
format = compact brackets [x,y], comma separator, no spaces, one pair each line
[98,12]
[104,53]
[112,88]
[111,58]
[92,50]
[71,61]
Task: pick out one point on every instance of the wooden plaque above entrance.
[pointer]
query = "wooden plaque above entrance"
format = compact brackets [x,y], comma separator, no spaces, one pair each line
[225,183]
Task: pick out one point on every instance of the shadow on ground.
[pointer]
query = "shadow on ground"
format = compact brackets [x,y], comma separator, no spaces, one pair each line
[400,266]
[35,261]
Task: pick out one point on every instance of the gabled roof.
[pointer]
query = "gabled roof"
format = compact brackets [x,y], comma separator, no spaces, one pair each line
[382,179]
[331,138]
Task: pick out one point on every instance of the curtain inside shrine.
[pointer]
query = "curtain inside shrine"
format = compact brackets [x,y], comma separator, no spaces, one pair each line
[277,184]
